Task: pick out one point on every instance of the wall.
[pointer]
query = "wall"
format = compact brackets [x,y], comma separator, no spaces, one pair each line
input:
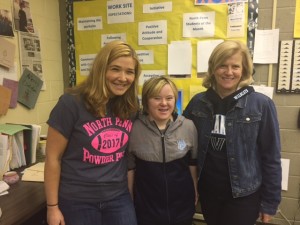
[46,20]
[287,107]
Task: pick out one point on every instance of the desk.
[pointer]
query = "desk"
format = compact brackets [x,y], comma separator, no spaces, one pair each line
[24,200]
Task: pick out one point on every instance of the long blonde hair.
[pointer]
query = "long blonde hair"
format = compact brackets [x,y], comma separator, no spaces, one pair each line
[94,89]
[221,53]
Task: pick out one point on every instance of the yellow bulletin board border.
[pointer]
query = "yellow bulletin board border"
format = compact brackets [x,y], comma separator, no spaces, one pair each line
[297,20]
[89,41]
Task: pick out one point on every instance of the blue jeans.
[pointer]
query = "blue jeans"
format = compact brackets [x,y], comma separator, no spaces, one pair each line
[118,211]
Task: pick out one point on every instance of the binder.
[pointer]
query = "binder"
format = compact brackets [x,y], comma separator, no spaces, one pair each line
[16,145]
[18,154]
[5,153]
[31,140]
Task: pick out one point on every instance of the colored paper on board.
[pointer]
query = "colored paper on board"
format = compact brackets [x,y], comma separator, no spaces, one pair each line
[29,89]
[13,86]
[5,94]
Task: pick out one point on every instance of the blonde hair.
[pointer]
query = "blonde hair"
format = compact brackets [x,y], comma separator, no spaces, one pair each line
[95,91]
[221,53]
[153,86]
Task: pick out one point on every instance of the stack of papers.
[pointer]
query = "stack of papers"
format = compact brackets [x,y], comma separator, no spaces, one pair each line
[3,188]
[34,173]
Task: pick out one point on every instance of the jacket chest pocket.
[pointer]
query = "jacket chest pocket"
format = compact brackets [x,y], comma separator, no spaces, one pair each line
[248,125]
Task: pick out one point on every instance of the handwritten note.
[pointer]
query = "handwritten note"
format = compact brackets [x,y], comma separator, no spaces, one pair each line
[29,89]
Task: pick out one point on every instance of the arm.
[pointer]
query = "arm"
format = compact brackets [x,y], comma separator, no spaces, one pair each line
[271,161]
[193,166]
[131,170]
[193,170]
[56,144]
[130,177]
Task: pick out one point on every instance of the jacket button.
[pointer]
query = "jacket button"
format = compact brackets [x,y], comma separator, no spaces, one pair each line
[248,119]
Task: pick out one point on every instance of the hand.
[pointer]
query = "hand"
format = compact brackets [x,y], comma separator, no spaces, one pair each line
[54,216]
[265,218]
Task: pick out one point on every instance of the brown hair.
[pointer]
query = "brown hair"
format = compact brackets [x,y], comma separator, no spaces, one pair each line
[94,89]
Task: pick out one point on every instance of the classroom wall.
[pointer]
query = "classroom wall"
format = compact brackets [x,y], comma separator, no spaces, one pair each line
[288,106]
[46,20]
[49,19]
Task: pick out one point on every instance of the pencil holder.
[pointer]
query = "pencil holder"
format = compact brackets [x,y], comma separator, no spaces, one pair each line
[11,177]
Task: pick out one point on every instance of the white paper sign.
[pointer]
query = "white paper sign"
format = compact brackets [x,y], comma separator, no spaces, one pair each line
[121,11]
[145,56]
[106,38]
[86,62]
[204,50]
[153,32]
[199,24]
[266,46]
[285,165]
[89,23]
[180,58]
[158,7]
[147,74]
[268,91]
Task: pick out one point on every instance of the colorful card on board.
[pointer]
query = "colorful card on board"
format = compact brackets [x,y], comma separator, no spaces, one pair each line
[5,94]
[29,89]
[13,86]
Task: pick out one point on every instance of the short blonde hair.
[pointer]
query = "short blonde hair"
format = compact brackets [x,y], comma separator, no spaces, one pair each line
[153,86]
[221,53]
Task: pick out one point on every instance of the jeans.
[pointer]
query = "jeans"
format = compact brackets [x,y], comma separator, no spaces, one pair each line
[118,211]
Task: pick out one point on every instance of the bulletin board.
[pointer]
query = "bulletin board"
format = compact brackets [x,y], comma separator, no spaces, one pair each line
[170,17]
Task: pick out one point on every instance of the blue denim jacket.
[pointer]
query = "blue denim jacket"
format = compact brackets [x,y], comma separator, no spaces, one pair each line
[252,143]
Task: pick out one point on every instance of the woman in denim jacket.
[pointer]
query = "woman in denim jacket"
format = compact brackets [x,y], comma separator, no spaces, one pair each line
[239,142]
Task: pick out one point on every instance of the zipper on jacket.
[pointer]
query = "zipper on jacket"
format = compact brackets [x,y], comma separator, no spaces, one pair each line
[162,135]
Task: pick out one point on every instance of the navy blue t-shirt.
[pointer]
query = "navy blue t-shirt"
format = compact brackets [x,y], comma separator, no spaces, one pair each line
[94,167]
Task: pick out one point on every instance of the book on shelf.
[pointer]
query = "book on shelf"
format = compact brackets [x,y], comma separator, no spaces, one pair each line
[22,143]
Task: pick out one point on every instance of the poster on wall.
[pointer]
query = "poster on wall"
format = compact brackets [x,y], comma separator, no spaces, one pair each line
[30,54]
[6,27]
[236,20]
[22,16]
